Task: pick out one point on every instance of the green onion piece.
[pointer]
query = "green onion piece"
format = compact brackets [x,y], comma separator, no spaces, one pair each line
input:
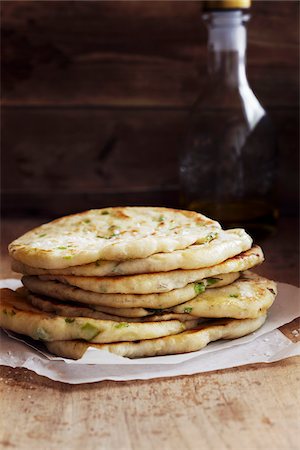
[199,287]
[90,331]
[211,236]
[122,325]
[210,281]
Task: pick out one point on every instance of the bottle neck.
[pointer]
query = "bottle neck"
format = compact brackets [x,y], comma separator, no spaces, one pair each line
[227,39]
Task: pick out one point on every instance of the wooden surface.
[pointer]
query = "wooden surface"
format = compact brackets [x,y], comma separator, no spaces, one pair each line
[96,98]
[251,407]
[135,53]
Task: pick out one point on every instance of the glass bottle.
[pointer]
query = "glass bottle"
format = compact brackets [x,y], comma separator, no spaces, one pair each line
[228,164]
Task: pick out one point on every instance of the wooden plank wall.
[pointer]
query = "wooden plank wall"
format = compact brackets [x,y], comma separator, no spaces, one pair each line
[96,97]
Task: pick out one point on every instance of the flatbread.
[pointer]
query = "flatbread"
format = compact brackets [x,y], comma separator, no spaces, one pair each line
[19,316]
[163,300]
[111,234]
[187,341]
[162,281]
[225,245]
[78,310]
[248,297]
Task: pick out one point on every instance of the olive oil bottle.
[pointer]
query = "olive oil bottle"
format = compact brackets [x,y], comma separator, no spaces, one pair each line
[228,163]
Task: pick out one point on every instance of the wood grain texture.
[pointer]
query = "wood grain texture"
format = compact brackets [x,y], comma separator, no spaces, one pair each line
[253,407]
[135,53]
[91,151]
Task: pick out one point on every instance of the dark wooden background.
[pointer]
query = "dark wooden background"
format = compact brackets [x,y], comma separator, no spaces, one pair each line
[96,97]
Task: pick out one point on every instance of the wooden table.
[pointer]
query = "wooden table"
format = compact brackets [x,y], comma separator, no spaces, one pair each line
[252,407]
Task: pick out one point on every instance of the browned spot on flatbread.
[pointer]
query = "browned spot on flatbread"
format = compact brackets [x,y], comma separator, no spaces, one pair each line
[120,214]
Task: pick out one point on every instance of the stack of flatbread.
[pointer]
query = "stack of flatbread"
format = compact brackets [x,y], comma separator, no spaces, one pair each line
[136,281]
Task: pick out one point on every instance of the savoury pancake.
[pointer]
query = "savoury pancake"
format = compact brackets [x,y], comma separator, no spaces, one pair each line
[111,234]
[162,281]
[163,300]
[17,315]
[78,310]
[187,341]
[223,245]
[248,297]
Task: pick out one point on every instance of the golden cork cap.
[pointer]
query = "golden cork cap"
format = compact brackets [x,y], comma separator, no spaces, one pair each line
[212,5]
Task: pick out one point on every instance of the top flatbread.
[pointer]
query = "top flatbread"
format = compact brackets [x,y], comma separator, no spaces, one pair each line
[111,234]
[225,245]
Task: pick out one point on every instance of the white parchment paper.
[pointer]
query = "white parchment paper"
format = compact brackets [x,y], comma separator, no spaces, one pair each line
[265,345]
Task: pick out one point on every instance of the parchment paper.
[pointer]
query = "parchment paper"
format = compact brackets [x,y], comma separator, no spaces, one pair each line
[265,345]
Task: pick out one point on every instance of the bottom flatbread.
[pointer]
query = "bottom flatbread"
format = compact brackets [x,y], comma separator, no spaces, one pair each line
[17,315]
[187,341]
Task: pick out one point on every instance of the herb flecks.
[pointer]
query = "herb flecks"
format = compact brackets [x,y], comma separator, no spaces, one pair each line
[69,320]
[199,287]
[122,325]
[42,235]
[211,236]
[9,313]
[104,213]
[108,237]
[90,331]
[211,281]
[188,310]
[233,295]
[62,248]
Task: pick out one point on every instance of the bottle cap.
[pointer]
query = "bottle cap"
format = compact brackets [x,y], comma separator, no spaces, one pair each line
[225,5]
